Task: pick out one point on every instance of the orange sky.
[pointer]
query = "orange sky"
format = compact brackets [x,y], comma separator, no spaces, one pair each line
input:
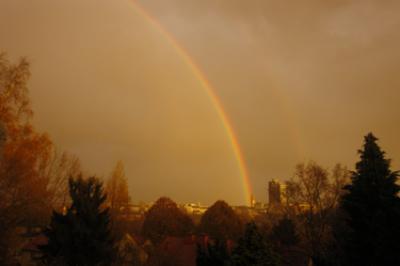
[299,81]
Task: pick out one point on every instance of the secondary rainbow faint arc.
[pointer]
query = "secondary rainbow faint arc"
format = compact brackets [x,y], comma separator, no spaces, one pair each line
[210,92]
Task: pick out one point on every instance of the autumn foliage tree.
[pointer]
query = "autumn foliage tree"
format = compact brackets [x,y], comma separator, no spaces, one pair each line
[164,219]
[33,178]
[25,154]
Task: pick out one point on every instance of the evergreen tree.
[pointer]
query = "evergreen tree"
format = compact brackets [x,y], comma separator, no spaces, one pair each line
[81,237]
[253,249]
[373,210]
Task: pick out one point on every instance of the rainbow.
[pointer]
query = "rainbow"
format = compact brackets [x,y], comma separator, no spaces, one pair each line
[210,92]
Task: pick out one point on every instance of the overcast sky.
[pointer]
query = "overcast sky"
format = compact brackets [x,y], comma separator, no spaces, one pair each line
[299,80]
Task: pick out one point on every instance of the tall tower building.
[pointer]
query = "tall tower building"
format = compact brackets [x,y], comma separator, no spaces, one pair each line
[274,192]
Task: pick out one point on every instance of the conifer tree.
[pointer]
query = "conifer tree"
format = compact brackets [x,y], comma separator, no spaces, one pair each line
[253,249]
[373,210]
[81,236]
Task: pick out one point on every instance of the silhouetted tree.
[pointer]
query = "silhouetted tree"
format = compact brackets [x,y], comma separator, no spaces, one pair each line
[287,244]
[61,167]
[221,223]
[118,200]
[213,254]
[163,219]
[82,236]
[373,209]
[284,233]
[314,194]
[253,249]
[117,190]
